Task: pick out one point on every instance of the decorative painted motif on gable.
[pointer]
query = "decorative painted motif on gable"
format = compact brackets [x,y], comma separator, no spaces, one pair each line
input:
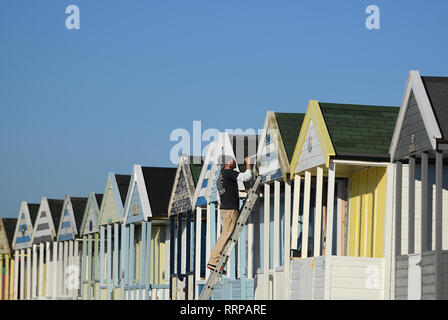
[181,202]
[269,166]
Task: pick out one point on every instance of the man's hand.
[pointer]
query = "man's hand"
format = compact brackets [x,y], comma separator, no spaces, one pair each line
[248,165]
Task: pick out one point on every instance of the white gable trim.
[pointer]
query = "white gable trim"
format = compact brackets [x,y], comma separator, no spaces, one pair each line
[203,173]
[67,205]
[138,180]
[415,85]
[23,209]
[44,207]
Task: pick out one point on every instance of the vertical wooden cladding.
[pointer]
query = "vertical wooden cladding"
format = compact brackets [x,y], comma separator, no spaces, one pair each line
[367,213]
[110,210]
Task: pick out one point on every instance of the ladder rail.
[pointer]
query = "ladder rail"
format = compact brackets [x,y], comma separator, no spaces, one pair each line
[246,210]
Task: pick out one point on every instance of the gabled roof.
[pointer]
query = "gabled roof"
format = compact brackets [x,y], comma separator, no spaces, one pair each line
[10,227]
[159,183]
[94,200]
[428,97]
[437,91]
[276,147]
[55,206]
[196,163]
[99,198]
[79,206]
[34,210]
[25,225]
[289,126]
[149,193]
[342,131]
[359,130]
[123,185]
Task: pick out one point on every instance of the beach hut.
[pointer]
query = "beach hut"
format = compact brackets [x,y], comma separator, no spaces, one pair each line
[145,230]
[111,217]
[418,150]
[239,282]
[272,232]
[7,228]
[45,252]
[90,248]
[67,237]
[180,211]
[341,230]
[21,245]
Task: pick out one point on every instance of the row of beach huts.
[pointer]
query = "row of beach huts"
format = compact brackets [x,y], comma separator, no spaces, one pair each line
[353,205]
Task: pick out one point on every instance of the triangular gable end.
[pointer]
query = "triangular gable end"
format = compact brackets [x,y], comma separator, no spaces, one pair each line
[183,191]
[314,146]
[44,229]
[416,128]
[91,215]
[201,187]
[24,229]
[111,207]
[272,161]
[137,207]
[67,226]
[5,246]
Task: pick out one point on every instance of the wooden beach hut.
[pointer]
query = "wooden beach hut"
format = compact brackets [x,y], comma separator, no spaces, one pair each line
[146,230]
[90,248]
[111,217]
[239,282]
[419,153]
[68,235]
[22,247]
[272,232]
[7,228]
[45,252]
[341,230]
[180,211]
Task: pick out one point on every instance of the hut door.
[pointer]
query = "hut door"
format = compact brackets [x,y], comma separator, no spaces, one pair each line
[415,277]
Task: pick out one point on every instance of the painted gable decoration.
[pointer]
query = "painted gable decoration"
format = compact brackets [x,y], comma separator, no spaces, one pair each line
[275,150]
[114,198]
[149,193]
[25,224]
[200,197]
[90,222]
[70,221]
[423,117]
[7,228]
[47,220]
[184,187]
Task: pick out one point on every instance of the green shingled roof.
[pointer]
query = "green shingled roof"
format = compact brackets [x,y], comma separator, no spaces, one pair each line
[196,168]
[289,125]
[359,129]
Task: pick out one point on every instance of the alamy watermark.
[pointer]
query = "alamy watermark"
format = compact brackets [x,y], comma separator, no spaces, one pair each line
[73,21]
[373,20]
[244,142]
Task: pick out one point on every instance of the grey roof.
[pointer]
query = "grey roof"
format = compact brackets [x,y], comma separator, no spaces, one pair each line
[55,211]
[123,185]
[33,209]
[99,198]
[79,206]
[10,227]
[159,183]
[437,91]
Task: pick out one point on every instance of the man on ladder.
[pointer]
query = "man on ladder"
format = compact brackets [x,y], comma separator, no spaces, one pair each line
[227,186]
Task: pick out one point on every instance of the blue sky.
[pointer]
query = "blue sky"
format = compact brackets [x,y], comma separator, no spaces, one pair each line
[78,104]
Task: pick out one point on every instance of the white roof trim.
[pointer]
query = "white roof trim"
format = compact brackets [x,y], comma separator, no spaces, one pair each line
[415,85]
[137,179]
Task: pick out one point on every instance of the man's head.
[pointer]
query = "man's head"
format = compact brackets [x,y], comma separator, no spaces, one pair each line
[229,162]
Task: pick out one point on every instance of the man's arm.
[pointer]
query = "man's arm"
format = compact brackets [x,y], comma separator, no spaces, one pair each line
[246,175]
